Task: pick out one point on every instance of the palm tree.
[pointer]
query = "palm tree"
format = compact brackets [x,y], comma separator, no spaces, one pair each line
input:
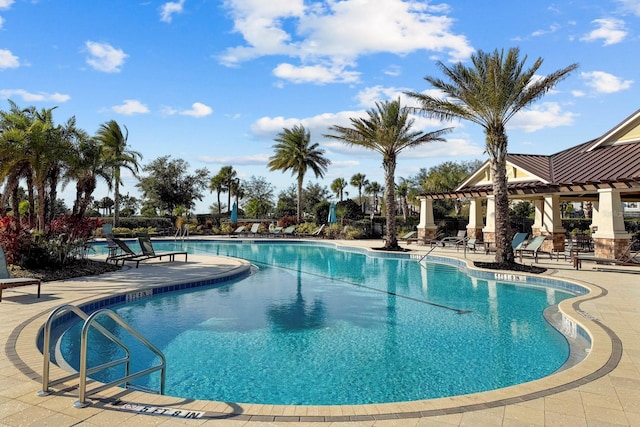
[295,152]
[228,176]
[489,93]
[387,130]
[217,184]
[86,165]
[372,189]
[118,155]
[337,186]
[402,190]
[359,181]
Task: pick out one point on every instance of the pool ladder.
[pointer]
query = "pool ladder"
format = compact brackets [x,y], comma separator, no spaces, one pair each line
[89,322]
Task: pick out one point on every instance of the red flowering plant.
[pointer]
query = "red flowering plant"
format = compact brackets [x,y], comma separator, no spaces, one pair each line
[68,236]
[14,239]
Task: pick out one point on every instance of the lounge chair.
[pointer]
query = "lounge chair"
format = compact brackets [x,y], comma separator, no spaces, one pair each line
[289,231]
[6,281]
[237,231]
[276,231]
[625,259]
[470,244]
[454,240]
[148,252]
[517,241]
[122,252]
[409,237]
[533,248]
[254,228]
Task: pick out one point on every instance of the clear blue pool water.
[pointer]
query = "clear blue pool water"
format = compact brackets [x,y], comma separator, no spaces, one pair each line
[318,326]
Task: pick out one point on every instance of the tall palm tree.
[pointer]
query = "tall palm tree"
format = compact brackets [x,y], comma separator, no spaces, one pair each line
[119,156]
[359,181]
[337,186]
[490,93]
[295,152]
[387,130]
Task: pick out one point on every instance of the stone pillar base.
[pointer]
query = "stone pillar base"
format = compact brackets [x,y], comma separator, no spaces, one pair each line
[489,236]
[555,243]
[475,233]
[427,233]
[610,248]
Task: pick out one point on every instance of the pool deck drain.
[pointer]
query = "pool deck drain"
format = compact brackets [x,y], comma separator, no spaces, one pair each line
[604,389]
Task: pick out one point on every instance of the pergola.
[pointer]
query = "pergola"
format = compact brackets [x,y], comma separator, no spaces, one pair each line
[604,171]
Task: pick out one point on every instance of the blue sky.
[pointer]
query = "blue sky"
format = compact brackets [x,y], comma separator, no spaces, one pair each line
[213,82]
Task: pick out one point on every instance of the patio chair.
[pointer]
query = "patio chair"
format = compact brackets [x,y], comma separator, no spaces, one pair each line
[289,231]
[470,244]
[6,281]
[625,259]
[454,240]
[237,231]
[254,229]
[533,248]
[517,241]
[122,252]
[409,237]
[276,231]
[148,252]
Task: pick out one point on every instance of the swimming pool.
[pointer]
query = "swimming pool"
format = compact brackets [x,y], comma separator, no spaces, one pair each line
[317,326]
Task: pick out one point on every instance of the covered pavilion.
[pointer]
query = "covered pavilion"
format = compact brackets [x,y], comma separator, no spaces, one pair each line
[604,171]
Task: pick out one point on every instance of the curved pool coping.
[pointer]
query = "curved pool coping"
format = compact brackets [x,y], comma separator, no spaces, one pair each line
[605,353]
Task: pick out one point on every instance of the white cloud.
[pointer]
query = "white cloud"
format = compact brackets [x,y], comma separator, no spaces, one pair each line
[8,59]
[632,6]
[169,9]
[604,82]
[130,107]
[610,30]
[198,110]
[318,74]
[316,33]
[104,57]
[552,29]
[5,4]
[542,116]
[254,159]
[33,97]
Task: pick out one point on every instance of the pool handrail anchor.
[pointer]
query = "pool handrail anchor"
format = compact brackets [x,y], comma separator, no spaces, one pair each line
[89,322]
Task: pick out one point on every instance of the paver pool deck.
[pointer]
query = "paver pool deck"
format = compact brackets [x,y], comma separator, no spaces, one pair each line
[602,390]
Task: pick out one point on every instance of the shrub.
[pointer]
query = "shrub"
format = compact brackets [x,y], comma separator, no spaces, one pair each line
[286,221]
[14,239]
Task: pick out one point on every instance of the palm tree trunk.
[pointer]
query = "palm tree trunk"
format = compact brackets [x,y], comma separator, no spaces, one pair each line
[299,209]
[498,164]
[390,201]
[116,199]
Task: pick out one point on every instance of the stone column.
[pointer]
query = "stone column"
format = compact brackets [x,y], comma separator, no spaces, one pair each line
[610,238]
[474,228]
[489,230]
[552,224]
[427,227]
[538,206]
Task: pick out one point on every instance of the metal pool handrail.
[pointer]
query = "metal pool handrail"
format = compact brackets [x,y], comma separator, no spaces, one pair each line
[90,321]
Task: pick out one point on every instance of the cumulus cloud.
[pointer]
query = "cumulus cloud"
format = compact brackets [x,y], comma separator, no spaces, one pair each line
[169,9]
[604,82]
[317,74]
[541,116]
[130,107]
[198,110]
[5,4]
[254,159]
[610,30]
[33,97]
[8,59]
[104,57]
[315,33]
[632,6]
